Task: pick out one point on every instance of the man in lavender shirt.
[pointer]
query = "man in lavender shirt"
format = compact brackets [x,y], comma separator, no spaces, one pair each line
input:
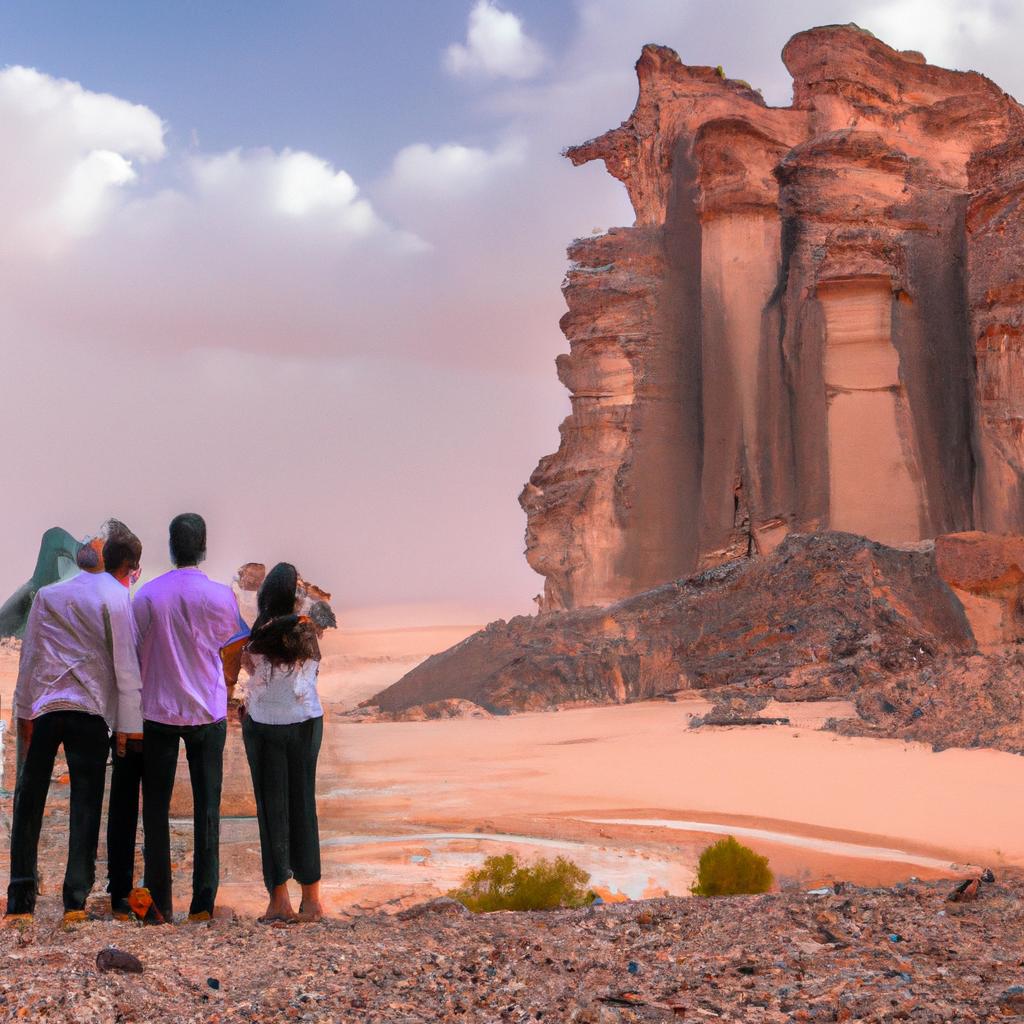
[183,620]
[78,678]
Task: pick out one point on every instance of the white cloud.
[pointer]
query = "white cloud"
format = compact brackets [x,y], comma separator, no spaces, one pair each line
[255,250]
[451,169]
[290,184]
[68,153]
[496,46]
[940,30]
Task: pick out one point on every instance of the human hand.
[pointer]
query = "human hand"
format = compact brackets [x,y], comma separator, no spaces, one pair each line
[25,732]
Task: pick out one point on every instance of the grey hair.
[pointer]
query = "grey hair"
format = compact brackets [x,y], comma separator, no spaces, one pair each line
[88,557]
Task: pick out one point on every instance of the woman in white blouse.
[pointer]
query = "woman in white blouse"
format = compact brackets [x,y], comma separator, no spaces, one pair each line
[283,728]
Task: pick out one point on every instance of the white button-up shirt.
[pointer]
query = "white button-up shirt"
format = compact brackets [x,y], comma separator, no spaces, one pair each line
[79,653]
[282,694]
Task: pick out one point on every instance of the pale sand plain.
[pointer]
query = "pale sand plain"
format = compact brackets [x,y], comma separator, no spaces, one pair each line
[632,793]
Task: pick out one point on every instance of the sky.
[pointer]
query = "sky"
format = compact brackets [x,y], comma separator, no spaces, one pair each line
[297,266]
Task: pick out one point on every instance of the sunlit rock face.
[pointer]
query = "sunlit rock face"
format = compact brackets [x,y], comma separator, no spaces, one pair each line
[815,322]
[995,225]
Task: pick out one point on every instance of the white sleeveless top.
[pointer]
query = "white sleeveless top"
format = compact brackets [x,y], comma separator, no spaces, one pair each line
[282,694]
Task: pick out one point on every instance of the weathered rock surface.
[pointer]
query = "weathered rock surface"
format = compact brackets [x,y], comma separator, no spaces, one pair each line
[952,702]
[925,642]
[815,322]
[824,615]
[986,573]
[995,225]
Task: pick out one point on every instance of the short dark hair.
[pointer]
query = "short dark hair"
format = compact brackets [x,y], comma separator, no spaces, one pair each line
[188,539]
[121,548]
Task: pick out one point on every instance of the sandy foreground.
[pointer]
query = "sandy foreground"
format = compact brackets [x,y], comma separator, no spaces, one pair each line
[629,792]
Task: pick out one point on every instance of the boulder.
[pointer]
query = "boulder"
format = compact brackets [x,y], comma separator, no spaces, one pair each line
[986,573]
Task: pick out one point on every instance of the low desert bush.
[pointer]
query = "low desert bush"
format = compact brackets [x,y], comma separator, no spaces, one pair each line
[729,868]
[504,883]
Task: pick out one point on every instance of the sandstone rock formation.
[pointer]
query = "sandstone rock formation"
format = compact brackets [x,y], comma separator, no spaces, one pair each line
[824,615]
[987,575]
[926,641]
[815,322]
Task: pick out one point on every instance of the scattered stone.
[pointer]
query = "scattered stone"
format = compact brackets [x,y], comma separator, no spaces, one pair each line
[1012,1000]
[112,959]
[443,905]
[966,891]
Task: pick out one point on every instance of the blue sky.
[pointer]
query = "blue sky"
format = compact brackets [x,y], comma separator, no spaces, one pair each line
[298,264]
[352,81]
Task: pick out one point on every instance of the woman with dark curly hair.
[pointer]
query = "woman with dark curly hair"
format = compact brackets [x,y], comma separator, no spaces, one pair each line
[282,728]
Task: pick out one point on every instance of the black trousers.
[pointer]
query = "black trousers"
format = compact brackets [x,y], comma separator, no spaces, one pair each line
[204,748]
[123,820]
[282,760]
[85,741]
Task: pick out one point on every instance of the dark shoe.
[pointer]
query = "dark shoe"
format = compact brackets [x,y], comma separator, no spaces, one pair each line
[120,909]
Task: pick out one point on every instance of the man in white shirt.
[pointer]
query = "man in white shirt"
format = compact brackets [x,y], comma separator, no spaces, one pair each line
[77,679]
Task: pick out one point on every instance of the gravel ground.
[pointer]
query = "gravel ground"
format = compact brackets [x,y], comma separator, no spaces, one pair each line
[861,954]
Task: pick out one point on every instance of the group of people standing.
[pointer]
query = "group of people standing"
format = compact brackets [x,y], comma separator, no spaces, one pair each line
[112,678]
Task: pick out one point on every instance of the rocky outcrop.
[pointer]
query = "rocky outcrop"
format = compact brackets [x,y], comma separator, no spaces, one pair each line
[987,575]
[925,641]
[786,339]
[824,615]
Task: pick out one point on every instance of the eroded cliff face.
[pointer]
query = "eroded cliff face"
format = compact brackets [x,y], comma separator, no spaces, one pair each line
[995,226]
[815,322]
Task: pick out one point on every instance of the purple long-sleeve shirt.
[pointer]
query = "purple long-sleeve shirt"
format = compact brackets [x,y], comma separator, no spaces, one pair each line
[183,620]
[78,653]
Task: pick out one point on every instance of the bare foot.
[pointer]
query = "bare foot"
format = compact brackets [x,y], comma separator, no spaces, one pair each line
[311,909]
[280,906]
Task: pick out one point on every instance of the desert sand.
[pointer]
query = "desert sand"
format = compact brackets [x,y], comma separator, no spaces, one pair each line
[630,792]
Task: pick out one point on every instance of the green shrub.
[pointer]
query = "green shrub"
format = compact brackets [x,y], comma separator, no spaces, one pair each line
[504,883]
[729,868]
